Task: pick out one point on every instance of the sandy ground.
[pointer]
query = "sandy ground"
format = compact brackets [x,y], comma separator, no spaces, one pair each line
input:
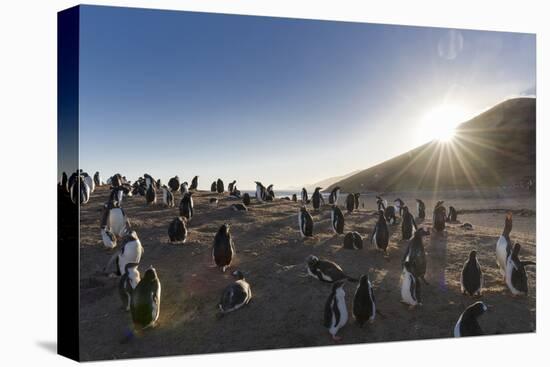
[287,306]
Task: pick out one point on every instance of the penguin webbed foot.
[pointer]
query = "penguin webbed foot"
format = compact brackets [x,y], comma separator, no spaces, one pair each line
[336,338]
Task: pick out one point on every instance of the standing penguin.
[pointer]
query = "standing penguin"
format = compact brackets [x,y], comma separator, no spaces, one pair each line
[421,209]
[177,230]
[151,195]
[399,205]
[516,276]
[333,197]
[504,244]
[236,295]
[186,206]
[195,183]
[317,199]
[128,282]
[145,305]
[337,220]
[219,186]
[415,255]
[380,235]
[174,183]
[294,198]
[305,222]
[149,180]
[408,225]
[261,192]
[214,187]
[350,203]
[410,287]
[471,278]
[270,194]
[130,251]
[167,197]
[453,215]
[80,191]
[356,200]
[184,188]
[325,270]
[353,241]
[97,179]
[439,217]
[305,199]
[223,249]
[90,182]
[336,311]
[467,324]
[364,304]
[231,185]
[114,223]
[246,199]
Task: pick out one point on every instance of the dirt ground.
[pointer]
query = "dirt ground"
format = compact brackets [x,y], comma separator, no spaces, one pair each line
[287,307]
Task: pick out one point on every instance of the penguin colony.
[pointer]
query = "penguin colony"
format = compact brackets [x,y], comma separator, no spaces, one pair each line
[140,293]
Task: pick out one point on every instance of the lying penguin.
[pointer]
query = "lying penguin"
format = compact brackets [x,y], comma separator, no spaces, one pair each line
[236,295]
[325,270]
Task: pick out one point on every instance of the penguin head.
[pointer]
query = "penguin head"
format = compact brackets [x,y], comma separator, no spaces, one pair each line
[225,228]
[364,279]
[477,309]
[508,223]
[312,260]
[515,251]
[150,274]
[439,203]
[238,274]
[317,189]
[473,255]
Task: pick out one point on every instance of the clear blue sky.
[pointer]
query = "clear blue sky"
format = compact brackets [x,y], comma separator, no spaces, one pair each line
[283,101]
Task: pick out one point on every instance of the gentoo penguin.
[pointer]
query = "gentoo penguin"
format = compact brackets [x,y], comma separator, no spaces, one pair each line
[184,188]
[90,182]
[504,244]
[364,304]
[177,230]
[410,287]
[149,181]
[389,211]
[420,209]
[214,187]
[408,225]
[219,186]
[337,220]
[467,324]
[317,199]
[223,249]
[333,197]
[128,282]
[64,181]
[151,195]
[415,255]
[195,183]
[380,234]
[305,199]
[350,203]
[269,193]
[439,217]
[114,223]
[336,311]
[213,201]
[325,270]
[516,276]
[130,251]
[399,204]
[145,305]
[452,217]
[471,278]
[294,198]
[174,183]
[356,200]
[381,203]
[231,185]
[116,180]
[167,197]
[239,207]
[236,295]
[97,179]
[246,199]
[186,206]
[305,222]
[261,192]
[353,241]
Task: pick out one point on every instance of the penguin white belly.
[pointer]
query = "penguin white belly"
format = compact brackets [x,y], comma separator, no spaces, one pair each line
[373,305]
[332,221]
[132,254]
[375,244]
[406,296]
[456,332]
[501,254]
[258,194]
[117,222]
[90,182]
[164,197]
[510,268]
[418,208]
[155,309]
[300,225]
[341,304]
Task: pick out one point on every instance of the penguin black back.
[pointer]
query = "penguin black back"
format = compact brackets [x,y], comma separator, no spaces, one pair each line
[408,225]
[353,241]
[364,304]
[350,203]
[471,277]
[145,303]
[223,249]
[415,254]
[467,324]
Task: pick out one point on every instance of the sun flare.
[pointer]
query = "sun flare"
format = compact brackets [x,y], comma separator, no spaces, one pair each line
[440,122]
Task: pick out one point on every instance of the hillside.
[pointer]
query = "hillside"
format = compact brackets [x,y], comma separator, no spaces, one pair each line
[496,148]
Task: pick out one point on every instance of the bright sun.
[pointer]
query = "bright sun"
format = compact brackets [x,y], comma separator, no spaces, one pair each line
[440,122]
